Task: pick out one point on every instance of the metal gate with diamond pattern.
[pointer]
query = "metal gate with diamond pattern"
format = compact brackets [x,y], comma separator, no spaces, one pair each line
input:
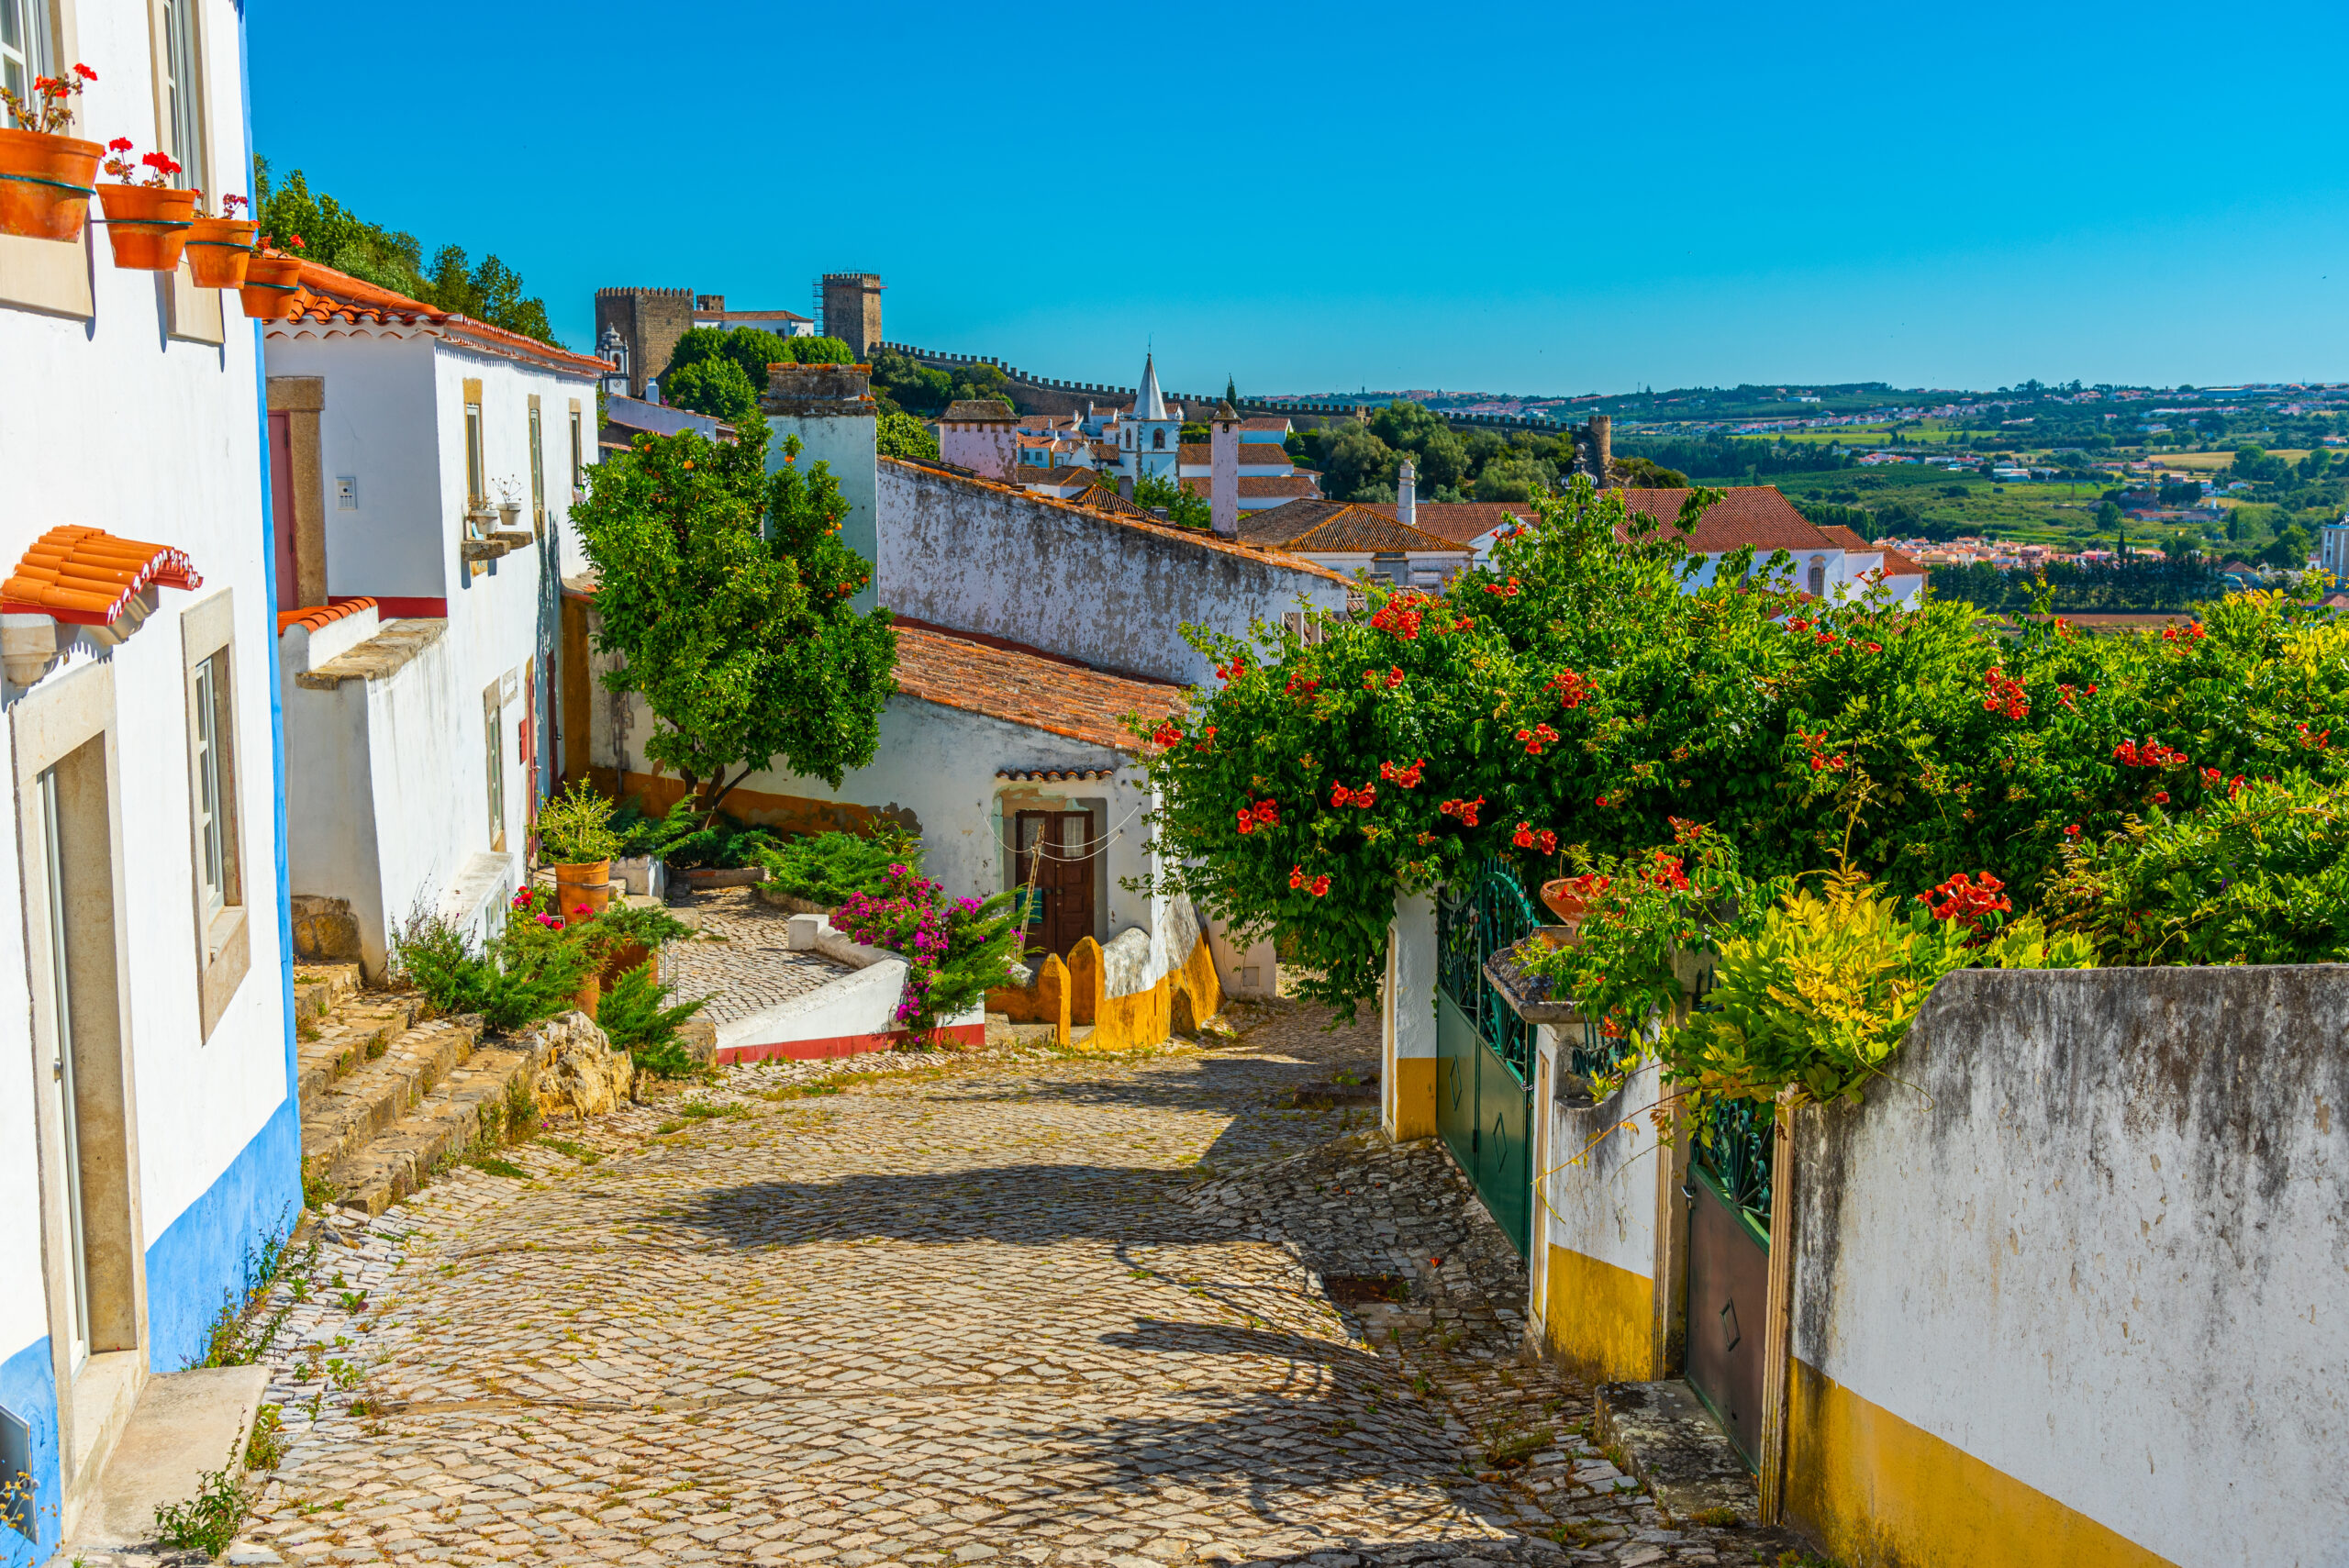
[1484,1050]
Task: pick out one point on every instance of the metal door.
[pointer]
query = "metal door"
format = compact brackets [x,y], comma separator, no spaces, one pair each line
[1729,1265]
[1484,1050]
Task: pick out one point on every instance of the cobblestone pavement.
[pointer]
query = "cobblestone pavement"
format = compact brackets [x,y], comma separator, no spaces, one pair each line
[947,1309]
[742,962]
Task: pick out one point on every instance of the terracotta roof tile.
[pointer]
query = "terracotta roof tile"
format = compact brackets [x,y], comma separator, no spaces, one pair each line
[1252,454]
[1847,538]
[959,671]
[329,297]
[1337,528]
[1746,514]
[320,615]
[1260,486]
[1461,522]
[1898,565]
[88,577]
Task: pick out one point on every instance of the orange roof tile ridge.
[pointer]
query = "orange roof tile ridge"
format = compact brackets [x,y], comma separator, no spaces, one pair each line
[318,616]
[88,577]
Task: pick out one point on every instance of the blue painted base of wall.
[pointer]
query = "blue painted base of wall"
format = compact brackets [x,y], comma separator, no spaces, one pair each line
[201,1260]
[28,1392]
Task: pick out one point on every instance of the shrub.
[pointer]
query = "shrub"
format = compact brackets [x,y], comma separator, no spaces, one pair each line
[825,868]
[955,949]
[575,828]
[532,971]
[636,1017]
[2260,875]
[684,841]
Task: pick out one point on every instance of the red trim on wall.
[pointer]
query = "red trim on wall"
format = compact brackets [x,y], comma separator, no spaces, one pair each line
[389,608]
[843,1045]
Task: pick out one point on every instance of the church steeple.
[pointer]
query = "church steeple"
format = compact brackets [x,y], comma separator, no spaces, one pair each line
[1151,404]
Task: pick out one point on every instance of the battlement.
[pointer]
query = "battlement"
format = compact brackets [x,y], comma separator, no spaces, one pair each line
[679,294]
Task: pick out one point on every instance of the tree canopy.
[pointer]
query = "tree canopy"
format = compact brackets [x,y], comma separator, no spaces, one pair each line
[726,592]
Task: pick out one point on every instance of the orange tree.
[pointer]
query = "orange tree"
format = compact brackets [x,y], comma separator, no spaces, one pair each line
[1596,682]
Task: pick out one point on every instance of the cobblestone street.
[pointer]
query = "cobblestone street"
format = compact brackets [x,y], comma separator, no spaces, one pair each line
[949,1309]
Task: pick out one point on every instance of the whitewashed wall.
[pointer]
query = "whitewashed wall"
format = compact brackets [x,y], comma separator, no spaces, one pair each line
[984,558]
[2094,1235]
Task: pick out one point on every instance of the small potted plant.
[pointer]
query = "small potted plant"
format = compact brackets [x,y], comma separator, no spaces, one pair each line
[218,248]
[148,218]
[272,281]
[576,838]
[46,176]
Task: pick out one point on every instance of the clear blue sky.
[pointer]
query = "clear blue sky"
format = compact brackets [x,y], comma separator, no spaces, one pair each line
[1531,198]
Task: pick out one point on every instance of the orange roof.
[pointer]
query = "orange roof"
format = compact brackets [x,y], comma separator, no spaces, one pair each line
[329,296]
[957,670]
[1898,565]
[1746,514]
[320,615]
[88,577]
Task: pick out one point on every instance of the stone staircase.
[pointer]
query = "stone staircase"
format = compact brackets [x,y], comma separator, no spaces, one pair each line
[387,1099]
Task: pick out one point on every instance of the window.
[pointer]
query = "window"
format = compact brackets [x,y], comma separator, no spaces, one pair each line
[494,723]
[1158,439]
[211,794]
[1818,576]
[578,471]
[476,489]
[538,475]
[25,51]
[182,80]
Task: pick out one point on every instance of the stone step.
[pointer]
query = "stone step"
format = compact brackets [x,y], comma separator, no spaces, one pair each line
[319,988]
[360,1030]
[353,1109]
[475,1107]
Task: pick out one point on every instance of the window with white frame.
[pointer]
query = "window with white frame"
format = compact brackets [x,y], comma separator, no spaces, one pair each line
[493,712]
[538,472]
[578,476]
[476,482]
[223,954]
[25,49]
[180,70]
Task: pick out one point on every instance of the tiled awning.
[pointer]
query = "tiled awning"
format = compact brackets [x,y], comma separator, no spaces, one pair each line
[88,577]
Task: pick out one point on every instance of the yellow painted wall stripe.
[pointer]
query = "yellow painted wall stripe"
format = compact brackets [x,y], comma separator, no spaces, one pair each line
[1881,1493]
[1598,1319]
[1414,1097]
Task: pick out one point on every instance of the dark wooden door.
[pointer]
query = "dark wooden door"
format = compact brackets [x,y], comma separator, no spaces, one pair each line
[1057,852]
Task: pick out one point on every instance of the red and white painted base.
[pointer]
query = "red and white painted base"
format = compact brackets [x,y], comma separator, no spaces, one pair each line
[845,1045]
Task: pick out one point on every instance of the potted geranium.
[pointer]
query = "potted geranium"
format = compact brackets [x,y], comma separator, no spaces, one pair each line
[218,248]
[45,176]
[576,838]
[148,218]
[272,281]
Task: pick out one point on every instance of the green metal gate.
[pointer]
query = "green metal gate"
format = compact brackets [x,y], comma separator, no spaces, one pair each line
[1484,1095]
[1728,1185]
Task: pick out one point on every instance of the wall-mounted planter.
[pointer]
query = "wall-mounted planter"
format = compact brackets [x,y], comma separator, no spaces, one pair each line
[45,184]
[271,286]
[218,249]
[147,225]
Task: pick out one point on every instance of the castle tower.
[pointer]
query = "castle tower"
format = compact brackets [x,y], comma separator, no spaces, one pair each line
[651,322]
[853,311]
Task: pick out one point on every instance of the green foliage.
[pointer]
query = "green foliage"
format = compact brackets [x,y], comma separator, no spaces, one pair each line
[826,868]
[575,828]
[1184,509]
[265,1444]
[333,234]
[636,1016]
[2258,874]
[532,971]
[902,435]
[750,349]
[726,593]
[2135,585]
[821,352]
[688,838]
[206,1522]
[715,387]
[1357,466]
[1575,687]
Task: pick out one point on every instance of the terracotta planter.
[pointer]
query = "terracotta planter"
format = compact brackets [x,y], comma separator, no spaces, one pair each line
[273,286]
[588,997]
[620,960]
[45,184]
[588,882]
[218,250]
[1566,904]
[147,225]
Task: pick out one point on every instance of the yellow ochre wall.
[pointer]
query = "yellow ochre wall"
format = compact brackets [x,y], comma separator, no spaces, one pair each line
[1879,1491]
[1600,1319]
[1187,997]
[1414,1078]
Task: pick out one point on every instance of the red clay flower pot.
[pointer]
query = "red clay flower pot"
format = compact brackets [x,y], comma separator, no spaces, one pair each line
[218,250]
[273,286]
[45,184]
[147,225]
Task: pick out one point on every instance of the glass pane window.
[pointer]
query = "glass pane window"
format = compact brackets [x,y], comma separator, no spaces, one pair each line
[183,92]
[538,475]
[493,724]
[211,791]
[24,45]
[577,479]
[476,489]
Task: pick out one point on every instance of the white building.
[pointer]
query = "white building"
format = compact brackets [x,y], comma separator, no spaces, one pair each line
[1149,437]
[149,1129]
[433,463]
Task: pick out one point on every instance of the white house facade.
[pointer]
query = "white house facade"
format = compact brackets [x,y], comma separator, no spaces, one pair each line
[149,1131]
[434,462]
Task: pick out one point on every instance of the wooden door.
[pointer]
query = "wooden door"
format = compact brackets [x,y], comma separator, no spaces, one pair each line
[281,510]
[1057,850]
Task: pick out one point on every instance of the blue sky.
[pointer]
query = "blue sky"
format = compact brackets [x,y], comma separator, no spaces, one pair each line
[1561,198]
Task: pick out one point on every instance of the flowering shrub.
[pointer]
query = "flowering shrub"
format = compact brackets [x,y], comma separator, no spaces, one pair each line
[1922,743]
[954,948]
[51,112]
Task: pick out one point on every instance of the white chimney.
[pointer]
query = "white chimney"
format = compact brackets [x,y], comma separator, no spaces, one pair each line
[1407,495]
[1223,467]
